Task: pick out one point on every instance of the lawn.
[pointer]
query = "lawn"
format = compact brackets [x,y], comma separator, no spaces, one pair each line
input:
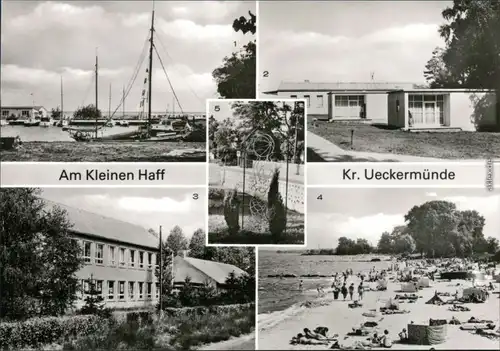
[380,139]
[255,229]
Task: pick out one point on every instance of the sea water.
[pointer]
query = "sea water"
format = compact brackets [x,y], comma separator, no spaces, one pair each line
[282,297]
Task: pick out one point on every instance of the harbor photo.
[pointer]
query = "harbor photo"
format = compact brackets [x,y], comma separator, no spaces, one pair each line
[256,172]
[413,269]
[119,269]
[133,90]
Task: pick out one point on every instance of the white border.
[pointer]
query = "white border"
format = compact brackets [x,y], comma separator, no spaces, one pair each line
[256,246]
[257,296]
[257,60]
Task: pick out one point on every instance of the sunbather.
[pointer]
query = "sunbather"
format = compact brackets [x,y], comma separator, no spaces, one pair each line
[301,339]
[317,336]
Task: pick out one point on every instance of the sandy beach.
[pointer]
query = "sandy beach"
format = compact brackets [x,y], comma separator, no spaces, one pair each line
[276,329]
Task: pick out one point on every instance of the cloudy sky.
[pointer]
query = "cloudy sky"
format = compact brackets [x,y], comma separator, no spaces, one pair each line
[147,207]
[367,213]
[347,40]
[43,40]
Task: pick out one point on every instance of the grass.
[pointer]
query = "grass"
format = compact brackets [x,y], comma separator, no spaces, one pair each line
[255,230]
[380,139]
[110,151]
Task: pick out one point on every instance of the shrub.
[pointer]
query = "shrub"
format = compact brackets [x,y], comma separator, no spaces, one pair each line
[37,332]
[232,211]
[276,212]
[94,302]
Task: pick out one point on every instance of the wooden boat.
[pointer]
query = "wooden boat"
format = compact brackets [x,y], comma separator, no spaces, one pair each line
[32,122]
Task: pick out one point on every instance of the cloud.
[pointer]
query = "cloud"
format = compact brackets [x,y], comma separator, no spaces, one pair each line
[431,194]
[485,205]
[396,53]
[324,230]
[163,205]
[188,30]
[205,9]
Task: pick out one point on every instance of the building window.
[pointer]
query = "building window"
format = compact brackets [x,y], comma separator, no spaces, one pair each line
[141,290]
[122,257]
[293,96]
[98,286]
[131,258]
[112,257]
[25,113]
[111,290]
[87,248]
[157,292]
[150,260]
[5,113]
[141,259]
[86,287]
[150,288]
[99,253]
[320,100]
[157,261]
[308,100]
[121,287]
[131,290]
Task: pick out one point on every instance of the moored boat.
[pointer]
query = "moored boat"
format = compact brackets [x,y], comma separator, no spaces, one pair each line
[45,122]
[32,122]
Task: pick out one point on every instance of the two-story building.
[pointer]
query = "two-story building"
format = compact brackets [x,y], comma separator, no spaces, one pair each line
[23,112]
[120,257]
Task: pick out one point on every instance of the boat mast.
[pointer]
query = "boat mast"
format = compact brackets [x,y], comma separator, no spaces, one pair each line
[109,103]
[150,68]
[96,93]
[61,116]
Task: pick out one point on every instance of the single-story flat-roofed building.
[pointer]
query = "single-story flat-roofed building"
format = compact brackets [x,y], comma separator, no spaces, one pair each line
[23,112]
[400,105]
[202,272]
[341,100]
[462,109]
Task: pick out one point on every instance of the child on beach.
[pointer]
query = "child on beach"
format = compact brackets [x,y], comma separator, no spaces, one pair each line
[343,290]
[351,290]
[403,335]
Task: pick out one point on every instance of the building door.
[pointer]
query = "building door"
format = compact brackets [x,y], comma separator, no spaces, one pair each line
[430,113]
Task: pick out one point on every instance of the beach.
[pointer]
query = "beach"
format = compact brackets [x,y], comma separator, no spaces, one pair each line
[277,327]
[108,151]
[246,342]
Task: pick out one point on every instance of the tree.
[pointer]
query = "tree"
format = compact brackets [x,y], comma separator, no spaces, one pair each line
[472,53]
[177,241]
[276,210]
[404,244]
[385,244]
[38,258]
[197,244]
[166,264]
[492,245]
[94,302]
[87,112]
[224,139]
[439,229]
[232,211]
[436,73]
[236,77]
[187,294]
[55,113]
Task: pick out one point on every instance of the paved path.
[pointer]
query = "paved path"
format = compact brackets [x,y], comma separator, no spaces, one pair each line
[321,150]
[246,342]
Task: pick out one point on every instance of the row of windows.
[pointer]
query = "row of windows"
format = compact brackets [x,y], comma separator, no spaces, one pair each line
[144,290]
[421,98]
[24,113]
[319,100]
[136,258]
[349,100]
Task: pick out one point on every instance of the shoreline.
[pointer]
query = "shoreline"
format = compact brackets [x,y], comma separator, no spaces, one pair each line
[243,342]
[277,328]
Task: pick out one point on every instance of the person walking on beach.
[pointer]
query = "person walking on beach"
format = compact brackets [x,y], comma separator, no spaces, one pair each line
[361,290]
[343,290]
[351,290]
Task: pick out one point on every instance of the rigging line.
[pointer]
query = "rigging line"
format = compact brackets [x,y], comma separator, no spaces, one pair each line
[168,78]
[87,92]
[170,57]
[134,76]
